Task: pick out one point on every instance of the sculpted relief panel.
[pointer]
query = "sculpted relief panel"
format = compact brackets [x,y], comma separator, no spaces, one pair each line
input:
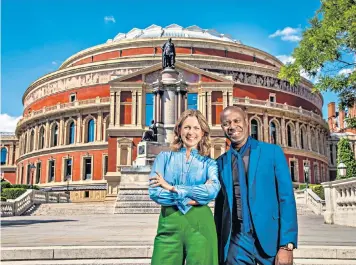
[71,82]
[275,83]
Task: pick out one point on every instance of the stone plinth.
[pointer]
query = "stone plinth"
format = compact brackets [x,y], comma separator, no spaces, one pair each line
[169,76]
[147,152]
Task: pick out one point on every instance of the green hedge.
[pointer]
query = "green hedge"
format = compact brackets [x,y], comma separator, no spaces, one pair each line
[3,199]
[5,185]
[12,193]
[25,186]
[316,188]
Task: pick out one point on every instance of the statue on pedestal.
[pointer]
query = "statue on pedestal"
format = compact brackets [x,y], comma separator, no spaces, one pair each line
[151,134]
[168,54]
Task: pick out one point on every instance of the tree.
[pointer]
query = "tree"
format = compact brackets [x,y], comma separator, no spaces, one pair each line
[328,51]
[346,156]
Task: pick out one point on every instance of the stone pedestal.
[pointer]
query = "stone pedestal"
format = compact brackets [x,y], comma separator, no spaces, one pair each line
[147,152]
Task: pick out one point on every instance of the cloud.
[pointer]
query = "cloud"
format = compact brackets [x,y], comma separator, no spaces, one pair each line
[8,123]
[288,34]
[54,63]
[109,19]
[285,59]
[346,71]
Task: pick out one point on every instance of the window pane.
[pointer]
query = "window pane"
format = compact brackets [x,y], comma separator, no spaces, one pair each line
[192,101]
[91,131]
[149,108]
[71,133]
[3,156]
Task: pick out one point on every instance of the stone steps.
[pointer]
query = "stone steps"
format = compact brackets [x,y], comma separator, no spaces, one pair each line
[303,209]
[140,255]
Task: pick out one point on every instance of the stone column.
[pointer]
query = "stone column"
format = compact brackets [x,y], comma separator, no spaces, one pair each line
[169,117]
[118,108]
[140,108]
[317,140]
[17,151]
[309,137]
[283,131]
[11,151]
[112,108]
[225,103]
[28,132]
[99,126]
[265,127]
[134,108]
[297,134]
[79,128]
[179,103]
[231,98]
[159,105]
[203,103]
[61,131]
[209,108]
[47,135]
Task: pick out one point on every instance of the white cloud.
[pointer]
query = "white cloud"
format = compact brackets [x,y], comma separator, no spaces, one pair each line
[285,59]
[8,123]
[346,71]
[54,63]
[288,34]
[109,19]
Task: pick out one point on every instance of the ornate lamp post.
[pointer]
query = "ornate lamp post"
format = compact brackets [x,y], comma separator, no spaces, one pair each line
[342,169]
[67,180]
[306,173]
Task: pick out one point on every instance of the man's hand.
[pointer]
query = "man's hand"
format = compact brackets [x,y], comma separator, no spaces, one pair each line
[284,257]
[158,180]
[192,202]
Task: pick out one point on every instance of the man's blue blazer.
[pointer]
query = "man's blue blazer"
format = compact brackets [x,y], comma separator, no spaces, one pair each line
[270,196]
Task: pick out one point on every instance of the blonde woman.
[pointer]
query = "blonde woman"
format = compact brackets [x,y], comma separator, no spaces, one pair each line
[184,181]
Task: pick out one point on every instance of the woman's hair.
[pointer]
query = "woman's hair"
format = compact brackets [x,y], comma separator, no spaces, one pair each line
[204,144]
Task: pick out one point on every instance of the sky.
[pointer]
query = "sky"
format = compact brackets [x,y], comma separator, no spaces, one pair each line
[38,35]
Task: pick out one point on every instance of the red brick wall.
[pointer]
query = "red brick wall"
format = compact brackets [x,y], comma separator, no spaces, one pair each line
[97,161]
[10,177]
[63,97]
[179,50]
[208,79]
[216,97]
[242,91]
[112,154]
[137,78]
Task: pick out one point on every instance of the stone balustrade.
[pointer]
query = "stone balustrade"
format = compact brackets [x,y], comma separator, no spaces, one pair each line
[67,106]
[30,198]
[314,202]
[340,198]
[285,107]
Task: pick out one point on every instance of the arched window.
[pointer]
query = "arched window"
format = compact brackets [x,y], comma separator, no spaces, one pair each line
[3,156]
[90,131]
[272,133]
[32,140]
[289,136]
[41,138]
[254,129]
[71,133]
[25,144]
[55,135]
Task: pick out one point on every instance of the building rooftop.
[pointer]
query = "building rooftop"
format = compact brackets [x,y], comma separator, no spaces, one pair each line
[172,31]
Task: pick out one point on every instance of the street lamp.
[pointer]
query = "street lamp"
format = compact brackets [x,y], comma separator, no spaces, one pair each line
[67,179]
[306,173]
[32,168]
[342,169]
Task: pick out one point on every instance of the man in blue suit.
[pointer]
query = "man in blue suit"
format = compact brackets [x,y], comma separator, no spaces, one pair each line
[255,211]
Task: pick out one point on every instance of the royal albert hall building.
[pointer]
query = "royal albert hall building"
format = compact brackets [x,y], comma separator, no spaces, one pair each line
[82,123]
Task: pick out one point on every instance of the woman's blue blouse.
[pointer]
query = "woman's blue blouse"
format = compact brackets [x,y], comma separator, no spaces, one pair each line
[189,177]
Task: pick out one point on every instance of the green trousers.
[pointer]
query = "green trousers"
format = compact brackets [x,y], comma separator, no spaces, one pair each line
[189,238]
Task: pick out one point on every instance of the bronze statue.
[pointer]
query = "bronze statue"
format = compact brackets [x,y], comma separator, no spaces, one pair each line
[151,134]
[168,54]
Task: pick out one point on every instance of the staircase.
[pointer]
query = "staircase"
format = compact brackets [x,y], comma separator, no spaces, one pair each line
[73,209]
[136,200]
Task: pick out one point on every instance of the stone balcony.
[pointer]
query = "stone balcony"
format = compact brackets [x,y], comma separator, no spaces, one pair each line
[282,107]
[60,107]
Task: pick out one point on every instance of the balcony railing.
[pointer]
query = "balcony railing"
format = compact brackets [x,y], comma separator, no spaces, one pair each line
[71,105]
[273,105]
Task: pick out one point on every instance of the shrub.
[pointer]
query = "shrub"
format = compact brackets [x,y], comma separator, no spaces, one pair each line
[12,193]
[319,190]
[20,186]
[3,199]
[5,185]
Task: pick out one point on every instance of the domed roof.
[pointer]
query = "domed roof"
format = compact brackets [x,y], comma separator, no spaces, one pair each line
[173,31]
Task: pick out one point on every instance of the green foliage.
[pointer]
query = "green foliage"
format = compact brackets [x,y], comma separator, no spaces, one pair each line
[12,193]
[318,190]
[328,46]
[345,155]
[5,185]
[3,199]
[351,122]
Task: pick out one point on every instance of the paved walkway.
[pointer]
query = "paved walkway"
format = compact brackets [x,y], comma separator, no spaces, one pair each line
[115,230]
